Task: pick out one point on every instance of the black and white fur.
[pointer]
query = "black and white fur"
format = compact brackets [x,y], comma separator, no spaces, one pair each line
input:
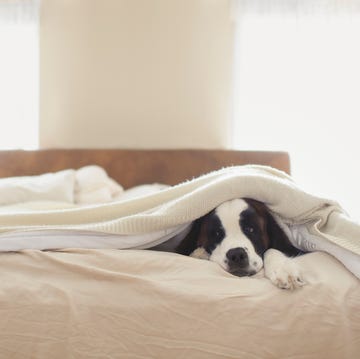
[243,237]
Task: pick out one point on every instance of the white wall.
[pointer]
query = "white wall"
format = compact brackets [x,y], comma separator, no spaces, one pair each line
[135,73]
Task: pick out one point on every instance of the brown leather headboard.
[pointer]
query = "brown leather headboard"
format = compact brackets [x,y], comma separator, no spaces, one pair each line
[133,167]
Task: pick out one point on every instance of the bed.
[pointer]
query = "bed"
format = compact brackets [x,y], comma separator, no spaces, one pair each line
[109,303]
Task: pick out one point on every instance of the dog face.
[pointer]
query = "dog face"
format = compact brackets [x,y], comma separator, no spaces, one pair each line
[236,235]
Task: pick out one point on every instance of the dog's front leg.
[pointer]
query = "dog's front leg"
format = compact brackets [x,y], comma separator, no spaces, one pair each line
[283,271]
[200,253]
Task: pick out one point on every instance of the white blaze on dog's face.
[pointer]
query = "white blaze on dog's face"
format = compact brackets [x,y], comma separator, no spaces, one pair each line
[236,252]
[234,235]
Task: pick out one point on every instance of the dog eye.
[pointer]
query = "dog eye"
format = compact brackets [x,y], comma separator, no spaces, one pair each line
[218,233]
[249,229]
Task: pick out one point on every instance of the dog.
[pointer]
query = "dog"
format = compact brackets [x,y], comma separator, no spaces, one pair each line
[243,237]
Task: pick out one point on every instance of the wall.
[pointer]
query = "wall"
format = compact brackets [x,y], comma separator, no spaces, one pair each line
[135,73]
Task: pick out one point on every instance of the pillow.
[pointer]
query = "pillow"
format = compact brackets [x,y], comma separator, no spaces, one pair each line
[93,185]
[58,186]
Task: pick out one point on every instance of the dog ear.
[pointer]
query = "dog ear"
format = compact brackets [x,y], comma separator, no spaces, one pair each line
[277,238]
[190,242]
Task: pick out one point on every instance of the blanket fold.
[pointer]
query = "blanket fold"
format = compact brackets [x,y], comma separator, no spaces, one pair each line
[181,204]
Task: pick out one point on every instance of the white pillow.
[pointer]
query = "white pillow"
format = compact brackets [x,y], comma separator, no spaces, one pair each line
[93,185]
[58,186]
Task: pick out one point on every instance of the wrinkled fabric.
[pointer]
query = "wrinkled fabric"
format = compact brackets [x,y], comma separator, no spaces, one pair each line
[146,304]
[179,205]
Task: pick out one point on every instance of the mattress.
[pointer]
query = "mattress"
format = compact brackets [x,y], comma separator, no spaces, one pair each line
[82,303]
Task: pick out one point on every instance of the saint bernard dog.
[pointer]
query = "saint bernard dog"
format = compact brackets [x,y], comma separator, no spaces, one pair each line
[243,237]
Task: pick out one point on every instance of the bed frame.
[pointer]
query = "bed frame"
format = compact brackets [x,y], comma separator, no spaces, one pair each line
[134,167]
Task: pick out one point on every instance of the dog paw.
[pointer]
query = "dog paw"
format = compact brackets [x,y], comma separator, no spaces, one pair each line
[282,271]
[200,253]
[287,277]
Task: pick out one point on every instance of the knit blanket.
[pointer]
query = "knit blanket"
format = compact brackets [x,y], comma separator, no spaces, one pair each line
[312,223]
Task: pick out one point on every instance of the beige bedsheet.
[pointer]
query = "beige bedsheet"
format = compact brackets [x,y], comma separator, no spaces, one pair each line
[144,304]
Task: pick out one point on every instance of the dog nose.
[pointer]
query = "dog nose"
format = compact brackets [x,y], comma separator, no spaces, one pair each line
[237,256]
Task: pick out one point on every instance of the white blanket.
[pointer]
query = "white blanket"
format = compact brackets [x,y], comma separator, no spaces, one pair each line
[307,218]
[87,185]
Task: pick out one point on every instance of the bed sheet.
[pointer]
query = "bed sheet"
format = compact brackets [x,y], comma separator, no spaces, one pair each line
[84,303]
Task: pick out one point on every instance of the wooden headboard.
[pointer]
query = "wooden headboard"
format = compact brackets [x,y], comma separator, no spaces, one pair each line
[133,167]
